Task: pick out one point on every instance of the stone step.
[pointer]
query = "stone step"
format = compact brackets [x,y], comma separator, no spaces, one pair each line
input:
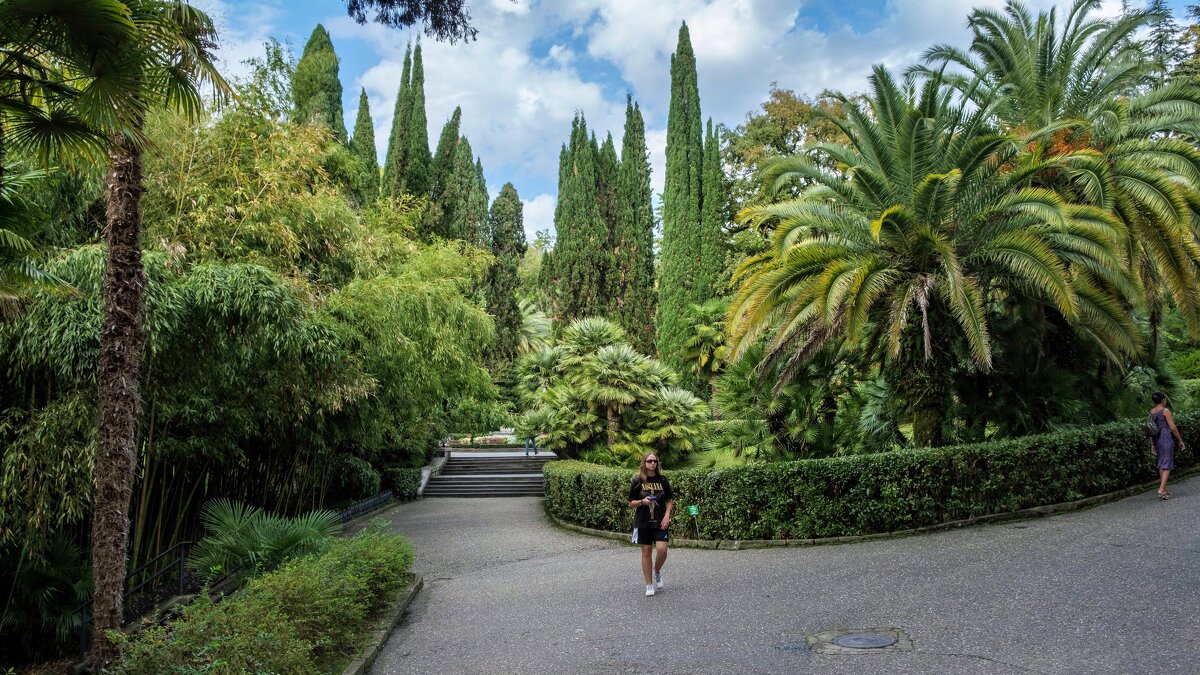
[496,492]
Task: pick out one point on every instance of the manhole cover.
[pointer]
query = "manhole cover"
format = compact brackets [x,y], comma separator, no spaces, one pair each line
[864,641]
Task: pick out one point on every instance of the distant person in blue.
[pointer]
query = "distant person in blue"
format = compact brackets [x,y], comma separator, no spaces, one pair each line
[650,494]
[1164,444]
[531,442]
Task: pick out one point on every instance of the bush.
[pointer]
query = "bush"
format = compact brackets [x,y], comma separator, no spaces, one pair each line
[301,618]
[1187,365]
[884,492]
[354,478]
[402,481]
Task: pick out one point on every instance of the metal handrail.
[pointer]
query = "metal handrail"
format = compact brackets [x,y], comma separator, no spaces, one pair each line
[176,564]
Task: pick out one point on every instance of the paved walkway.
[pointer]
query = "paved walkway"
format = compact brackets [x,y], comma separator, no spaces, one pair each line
[1114,589]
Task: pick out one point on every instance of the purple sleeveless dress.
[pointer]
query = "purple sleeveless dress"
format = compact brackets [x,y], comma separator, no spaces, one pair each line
[1165,443]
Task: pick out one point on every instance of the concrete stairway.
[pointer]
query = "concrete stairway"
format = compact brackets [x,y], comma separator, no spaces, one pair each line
[489,475]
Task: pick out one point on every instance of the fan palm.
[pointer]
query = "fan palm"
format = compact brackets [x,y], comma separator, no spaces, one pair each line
[535,328]
[1079,89]
[242,539]
[673,420]
[926,221]
[164,60]
[614,377]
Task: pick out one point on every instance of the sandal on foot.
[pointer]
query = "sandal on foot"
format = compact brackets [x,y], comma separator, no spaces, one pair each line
[1164,496]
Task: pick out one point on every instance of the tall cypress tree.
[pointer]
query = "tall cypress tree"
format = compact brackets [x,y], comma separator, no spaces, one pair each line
[681,245]
[607,170]
[633,236]
[362,146]
[443,157]
[711,263]
[580,251]
[547,278]
[456,194]
[393,164]
[507,227]
[417,159]
[316,89]
[477,210]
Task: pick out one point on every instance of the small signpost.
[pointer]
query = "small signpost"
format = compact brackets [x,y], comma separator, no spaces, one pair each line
[693,511]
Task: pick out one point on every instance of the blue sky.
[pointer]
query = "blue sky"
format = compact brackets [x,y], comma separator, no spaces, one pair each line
[537,62]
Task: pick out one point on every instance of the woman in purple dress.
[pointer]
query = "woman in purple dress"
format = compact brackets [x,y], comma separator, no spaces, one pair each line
[1163,446]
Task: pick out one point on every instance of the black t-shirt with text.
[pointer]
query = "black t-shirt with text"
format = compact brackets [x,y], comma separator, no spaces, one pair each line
[657,487]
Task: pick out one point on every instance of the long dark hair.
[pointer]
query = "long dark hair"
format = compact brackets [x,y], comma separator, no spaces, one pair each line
[642,474]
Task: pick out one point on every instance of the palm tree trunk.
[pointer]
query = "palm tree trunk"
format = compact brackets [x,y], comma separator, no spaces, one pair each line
[612,426]
[121,340]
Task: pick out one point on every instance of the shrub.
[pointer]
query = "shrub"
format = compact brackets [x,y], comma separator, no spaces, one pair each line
[354,478]
[1187,365]
[402,481]
[240,540]
[883,492]
[299,619]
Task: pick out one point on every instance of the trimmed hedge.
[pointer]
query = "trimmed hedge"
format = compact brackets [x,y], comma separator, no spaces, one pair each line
[867,494]
[403,482]
[302,618]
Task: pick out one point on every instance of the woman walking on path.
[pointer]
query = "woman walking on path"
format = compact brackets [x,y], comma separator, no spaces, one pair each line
[1163,446]
[650,494]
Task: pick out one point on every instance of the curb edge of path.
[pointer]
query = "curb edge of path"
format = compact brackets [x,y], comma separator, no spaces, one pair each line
[360,665]
[1022,514]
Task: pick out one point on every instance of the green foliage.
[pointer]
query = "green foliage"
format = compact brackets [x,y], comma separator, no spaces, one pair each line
[403,482]
[397,150]
[883,492]
[415,178]
[48,590]
[691,262]
[354,479]
[593,395]
[316,89]
[362,146]
[705,352]
[632,278]
[915,244]
[242,540]
[301,618]
[507,227]
[582,255]
[1187,366]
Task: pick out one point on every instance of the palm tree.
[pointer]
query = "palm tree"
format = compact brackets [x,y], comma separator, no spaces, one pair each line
[535,328]
[614,377]
[673,419]
[132,57]
[1081,90]
[927,222]
[705,348]
[59,93]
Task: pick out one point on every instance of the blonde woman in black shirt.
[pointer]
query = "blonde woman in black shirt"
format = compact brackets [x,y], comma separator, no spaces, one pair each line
[650,494]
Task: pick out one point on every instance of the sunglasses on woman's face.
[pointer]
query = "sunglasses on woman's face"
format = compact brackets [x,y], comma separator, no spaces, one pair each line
[652,461]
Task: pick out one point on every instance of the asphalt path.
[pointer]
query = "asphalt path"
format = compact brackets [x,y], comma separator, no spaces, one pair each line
[1113,589]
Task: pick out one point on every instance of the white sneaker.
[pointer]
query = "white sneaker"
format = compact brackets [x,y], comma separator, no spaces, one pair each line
[658,580]
[649,590]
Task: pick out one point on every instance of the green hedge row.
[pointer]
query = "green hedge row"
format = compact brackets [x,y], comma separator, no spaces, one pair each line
[304,617]
[403,482]
[885,492]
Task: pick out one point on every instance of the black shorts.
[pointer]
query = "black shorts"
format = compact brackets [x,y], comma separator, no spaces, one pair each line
[646,536]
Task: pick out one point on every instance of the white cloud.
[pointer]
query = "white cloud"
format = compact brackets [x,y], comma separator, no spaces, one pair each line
[242,31]
[537,62]
[539,215]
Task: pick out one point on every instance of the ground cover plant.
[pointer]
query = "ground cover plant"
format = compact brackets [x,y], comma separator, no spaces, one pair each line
[304,617]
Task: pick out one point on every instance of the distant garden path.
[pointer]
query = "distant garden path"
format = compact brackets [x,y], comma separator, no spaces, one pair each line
[1111,589]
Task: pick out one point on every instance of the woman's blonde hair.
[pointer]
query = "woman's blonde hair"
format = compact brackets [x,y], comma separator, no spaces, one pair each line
[641,474]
